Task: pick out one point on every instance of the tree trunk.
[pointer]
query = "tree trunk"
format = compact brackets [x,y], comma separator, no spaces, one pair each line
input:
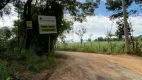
[127,47]
[81,40]
[133,44]
[29,31]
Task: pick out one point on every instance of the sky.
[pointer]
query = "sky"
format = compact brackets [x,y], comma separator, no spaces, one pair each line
[97,25]
[7,20]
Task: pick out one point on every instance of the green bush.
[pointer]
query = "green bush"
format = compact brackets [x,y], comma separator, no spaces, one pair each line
[104,49]
[2,46]
[7,70]
[52,60]
[37,63]
[4,73]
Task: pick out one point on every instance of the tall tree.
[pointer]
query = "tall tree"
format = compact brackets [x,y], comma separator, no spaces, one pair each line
[116,7]
[57,8]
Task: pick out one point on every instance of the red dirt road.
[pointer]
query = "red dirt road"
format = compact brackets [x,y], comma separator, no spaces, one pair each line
[87,66]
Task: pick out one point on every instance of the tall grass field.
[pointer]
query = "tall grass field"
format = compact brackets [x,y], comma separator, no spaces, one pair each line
[113,47]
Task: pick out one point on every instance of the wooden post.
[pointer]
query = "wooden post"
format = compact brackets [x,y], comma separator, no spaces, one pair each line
[49,44]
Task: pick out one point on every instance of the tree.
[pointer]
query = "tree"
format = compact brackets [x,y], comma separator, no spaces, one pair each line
[109,36]
[62,38]
[5,9]
[30,9]
[90,37]
[123,27]
[80,33]
[116,7]
[89,40]
[100,39]
[109,39]
[5,33]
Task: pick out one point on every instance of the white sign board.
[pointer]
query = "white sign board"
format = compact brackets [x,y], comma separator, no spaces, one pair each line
[47,24]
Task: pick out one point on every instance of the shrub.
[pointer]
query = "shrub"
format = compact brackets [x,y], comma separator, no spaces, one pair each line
[7,71]
[52,61]
[104,49]
[4,73]
[37,63]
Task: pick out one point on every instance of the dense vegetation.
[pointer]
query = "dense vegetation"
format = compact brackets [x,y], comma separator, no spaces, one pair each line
[113,47]
[12,62]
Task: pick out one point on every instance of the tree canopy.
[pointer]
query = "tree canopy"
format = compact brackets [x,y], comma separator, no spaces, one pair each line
[116,7]
[30,9]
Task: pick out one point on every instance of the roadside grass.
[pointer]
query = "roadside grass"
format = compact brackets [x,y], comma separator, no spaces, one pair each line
[13,63]
[114,47]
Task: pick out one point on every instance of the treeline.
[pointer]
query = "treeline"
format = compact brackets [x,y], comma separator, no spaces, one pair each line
[138,38]
[107,39]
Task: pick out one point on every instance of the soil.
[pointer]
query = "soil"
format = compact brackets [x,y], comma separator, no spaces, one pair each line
[88,66]
[93,66]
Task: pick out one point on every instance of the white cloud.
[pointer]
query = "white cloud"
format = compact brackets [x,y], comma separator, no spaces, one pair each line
[99,25]
[137,25]
[96,25]
[7,20]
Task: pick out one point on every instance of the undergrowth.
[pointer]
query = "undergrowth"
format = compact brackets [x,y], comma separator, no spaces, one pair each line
[12,62]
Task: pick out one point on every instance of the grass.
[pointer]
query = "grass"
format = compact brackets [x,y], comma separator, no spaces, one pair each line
[114,47]
[13,63]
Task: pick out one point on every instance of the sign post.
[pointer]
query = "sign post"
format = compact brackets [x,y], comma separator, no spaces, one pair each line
[29,33]
[49,43]
[29,24]
[47,25]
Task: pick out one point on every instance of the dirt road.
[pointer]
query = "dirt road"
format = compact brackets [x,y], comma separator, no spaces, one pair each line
[87,66]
